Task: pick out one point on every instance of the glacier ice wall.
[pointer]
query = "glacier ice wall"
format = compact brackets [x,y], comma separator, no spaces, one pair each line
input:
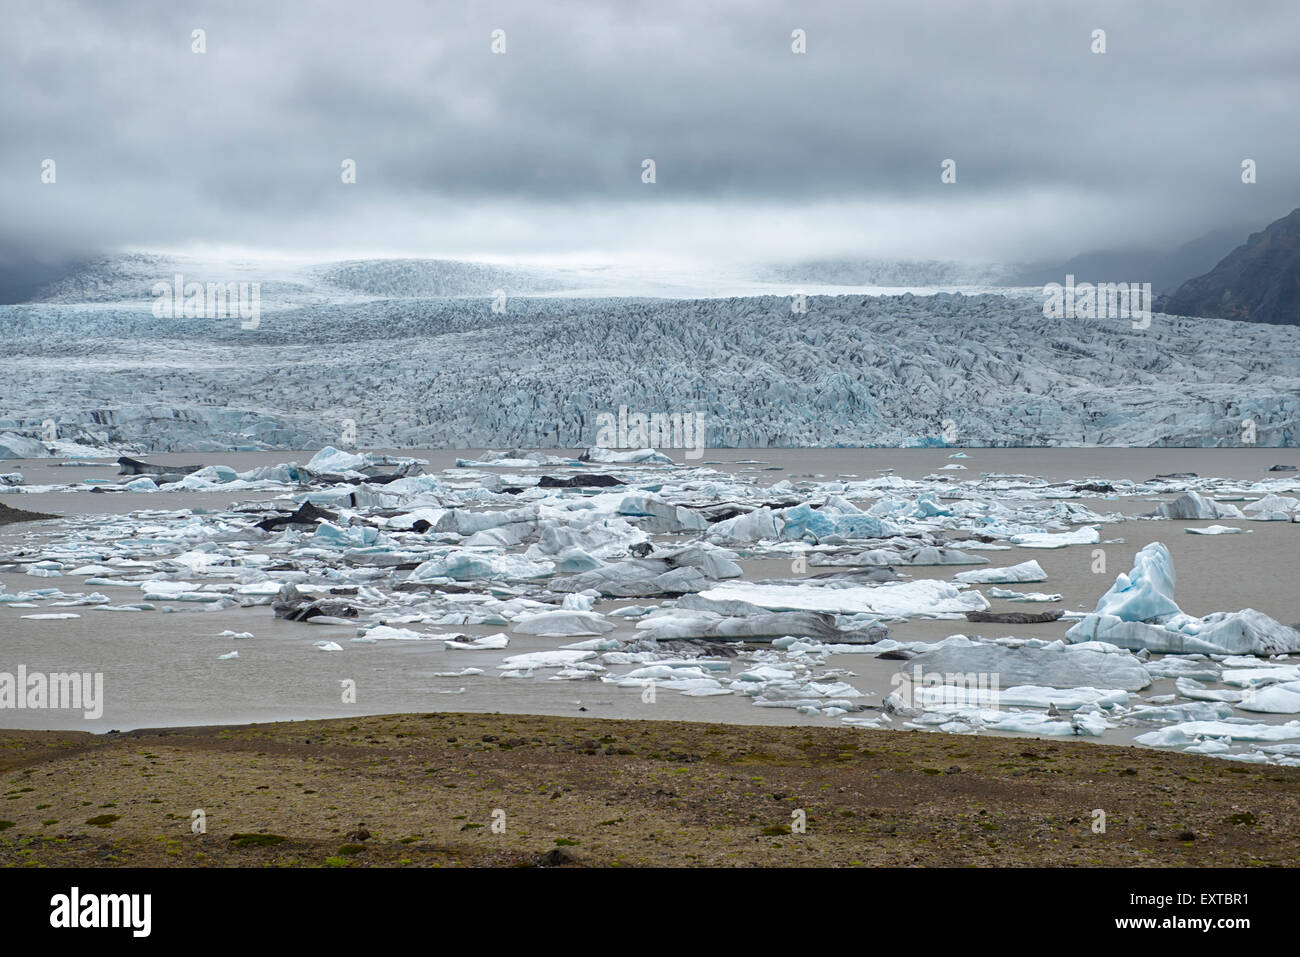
[852,371]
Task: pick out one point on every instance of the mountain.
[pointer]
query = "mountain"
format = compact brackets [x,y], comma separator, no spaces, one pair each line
[1165,271]
[23,276]
[1257,282]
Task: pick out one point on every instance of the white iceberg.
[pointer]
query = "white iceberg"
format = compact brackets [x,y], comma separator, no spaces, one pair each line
[1029,571]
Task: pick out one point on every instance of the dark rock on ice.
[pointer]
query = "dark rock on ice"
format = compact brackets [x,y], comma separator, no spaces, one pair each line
[292,605]
[1014,617]
[589,480]
[867,575]
[162,474]
[1094,487]
[307,514]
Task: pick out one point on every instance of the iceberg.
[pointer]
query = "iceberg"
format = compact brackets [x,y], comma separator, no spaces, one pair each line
[902,600]
[1088,535]
[1189,732]
[1056,665]
[1146,592]
[632,457]
[1194,505]
[1139,612]
[1029,571]
[562,624]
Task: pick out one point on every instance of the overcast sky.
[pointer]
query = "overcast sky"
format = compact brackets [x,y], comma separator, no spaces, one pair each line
[761,154]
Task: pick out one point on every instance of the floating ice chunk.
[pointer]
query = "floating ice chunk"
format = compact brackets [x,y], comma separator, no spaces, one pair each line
[1147,591]
[633,457]
[1185,666]
[330,459]
[574,560]
[773,626]
[904,599]
[1056,665]
[1273,699]
[1273,508]
[327,645]
[51,617]
[805,522]
[1191,688]
[956,697]
[1029,722]
[1179,735]
[1240,632]
[1033,596]
[1088,535]
[670,518]
[1193,711]
[268,587]
[1193,505]
[1215,530]
[360,535]
[576,601]
[499,640]
[388,633]
[1209,746]
[762,524]
[546,659]
[632,611]
[228,656]
[15,446]
[1139,611]
[1029,571]
[1256,676]
[562,624]
[595,644]
[237,635]
[461,565]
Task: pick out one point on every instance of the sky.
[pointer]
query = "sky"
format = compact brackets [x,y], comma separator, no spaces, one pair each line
[536,154]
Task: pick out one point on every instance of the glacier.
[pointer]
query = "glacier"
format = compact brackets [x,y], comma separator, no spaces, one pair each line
[328,367]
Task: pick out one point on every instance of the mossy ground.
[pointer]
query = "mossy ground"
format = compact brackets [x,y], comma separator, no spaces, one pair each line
[507,790]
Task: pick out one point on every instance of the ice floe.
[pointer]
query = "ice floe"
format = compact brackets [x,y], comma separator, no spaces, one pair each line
[1139,612]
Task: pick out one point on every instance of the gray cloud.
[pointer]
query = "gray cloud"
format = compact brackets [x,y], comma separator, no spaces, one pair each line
[760,153]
